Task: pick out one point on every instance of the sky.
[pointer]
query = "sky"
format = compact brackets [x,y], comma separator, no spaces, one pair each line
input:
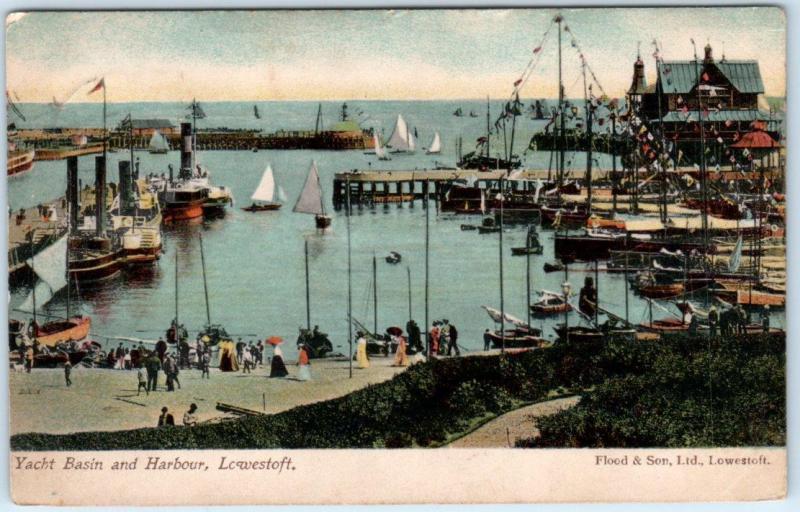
[367,54]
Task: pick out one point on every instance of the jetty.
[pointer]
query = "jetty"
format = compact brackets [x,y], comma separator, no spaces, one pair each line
[30,230]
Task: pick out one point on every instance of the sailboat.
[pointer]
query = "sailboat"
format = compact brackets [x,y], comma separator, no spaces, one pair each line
[402,140]
[458,112]
[380,151]
[436,145]
[262,197]
[52,274]
[310,199]
[158,144]
[256,112]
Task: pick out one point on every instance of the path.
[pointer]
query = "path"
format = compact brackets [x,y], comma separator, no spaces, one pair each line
[517,424]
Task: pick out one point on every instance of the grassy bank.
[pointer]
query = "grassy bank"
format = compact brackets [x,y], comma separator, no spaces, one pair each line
[435,401]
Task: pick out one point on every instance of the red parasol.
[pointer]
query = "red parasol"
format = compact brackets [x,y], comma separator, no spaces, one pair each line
[274,340]
[394,331]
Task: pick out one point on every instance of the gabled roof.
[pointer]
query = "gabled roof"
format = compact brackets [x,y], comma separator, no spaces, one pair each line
[680,77]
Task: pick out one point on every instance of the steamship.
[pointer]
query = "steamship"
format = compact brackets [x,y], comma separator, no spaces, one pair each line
[20,160]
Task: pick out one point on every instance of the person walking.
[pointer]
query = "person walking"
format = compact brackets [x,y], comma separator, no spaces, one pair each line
[765,319]
[361,351]
[303,363]
[67,372]
[487,339]
[190,416]
[741,319]
[400,356]
[142,383]
[435,333]
[29,359]
[205,364]
[247,357]
[161,349]
[444,337]
[175,371]
[168,372]
[152,365]
[453,340]
[278,368]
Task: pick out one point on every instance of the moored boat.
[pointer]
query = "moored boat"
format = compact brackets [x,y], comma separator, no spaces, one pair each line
[263,196]
[550,303]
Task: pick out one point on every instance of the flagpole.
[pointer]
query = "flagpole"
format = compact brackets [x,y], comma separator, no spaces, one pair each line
[349,283]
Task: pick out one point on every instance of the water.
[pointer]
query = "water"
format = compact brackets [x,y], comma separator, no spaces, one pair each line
[254,261]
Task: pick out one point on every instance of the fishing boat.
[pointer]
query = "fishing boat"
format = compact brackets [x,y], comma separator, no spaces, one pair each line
[394,258]
[436,145]
[158,144]
[657,286]
[263,196]
[532,245]
[458,112]
[380,151]
[550,303]
[520,335]
[402,140]
[256,113]
[310,199]
[52,276]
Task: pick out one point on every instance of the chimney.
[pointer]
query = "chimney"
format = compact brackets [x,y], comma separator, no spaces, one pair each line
[709,57]
[100,194]
[186,151]
[125,187]
[73,192]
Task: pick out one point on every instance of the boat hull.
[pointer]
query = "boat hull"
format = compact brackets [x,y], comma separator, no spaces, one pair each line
[180,212]
[20,162]
[262,208]
[322,221]
[96,268]
[74,329]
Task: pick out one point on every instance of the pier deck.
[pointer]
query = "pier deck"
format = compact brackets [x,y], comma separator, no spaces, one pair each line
[29,232]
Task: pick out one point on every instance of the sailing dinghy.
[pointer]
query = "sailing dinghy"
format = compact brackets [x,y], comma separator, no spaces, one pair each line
[436,145]
[158,144]
[310,200]
[402,140]
[380,151]
[262,197]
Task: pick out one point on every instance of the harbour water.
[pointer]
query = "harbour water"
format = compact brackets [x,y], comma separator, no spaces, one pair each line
[254,261]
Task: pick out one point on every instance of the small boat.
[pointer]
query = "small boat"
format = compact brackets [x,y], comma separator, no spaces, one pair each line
[521,335]
[458,112]
[310,199]
[657,286]
[402,140]
[468,227]
[436,145]
[550,303]
[59,331]
[485,230]
[394,258]
[158,144]
[553,267]
[472,113]
[533,246]
[262,197]
[380,151]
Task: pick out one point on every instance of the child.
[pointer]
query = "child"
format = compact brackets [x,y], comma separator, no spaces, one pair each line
[67,371]
[142,383]
[206,363]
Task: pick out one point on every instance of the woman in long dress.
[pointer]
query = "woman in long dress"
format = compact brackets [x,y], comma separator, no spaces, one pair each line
[361,351]
[278,368]
[400,356]
[304,366]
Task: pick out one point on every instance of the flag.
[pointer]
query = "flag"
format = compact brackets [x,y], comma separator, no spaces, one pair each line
[537,49]
[706,78]
[100,85]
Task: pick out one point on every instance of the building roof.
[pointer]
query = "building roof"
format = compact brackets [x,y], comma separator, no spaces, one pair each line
[715,116]
[756,139]
[144,124]
[680,77]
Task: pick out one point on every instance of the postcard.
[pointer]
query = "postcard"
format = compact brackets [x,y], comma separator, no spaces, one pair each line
[397,256]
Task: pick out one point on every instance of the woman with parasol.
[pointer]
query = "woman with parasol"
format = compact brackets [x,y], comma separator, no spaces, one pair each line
[361,350]
[304,371]
[400,356]
[278,368]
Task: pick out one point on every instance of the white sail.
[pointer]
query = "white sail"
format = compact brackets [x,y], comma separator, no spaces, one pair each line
[436,144]
[401,139]
[50,266]
[158,142]
[266,188]
[310,200]
[281,194]
[380,152]
[412,143]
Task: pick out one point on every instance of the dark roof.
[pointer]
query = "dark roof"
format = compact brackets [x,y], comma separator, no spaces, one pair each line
[680,77]
[140,124]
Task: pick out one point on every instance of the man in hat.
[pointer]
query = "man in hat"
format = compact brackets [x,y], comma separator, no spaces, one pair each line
[587,302]
[152,365]
[487,339]
[453,332]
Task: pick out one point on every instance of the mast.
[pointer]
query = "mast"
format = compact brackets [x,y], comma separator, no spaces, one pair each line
[349,282]
[703,188]
[374,293]
[318,124]
[528,274]
[67,271]
[308,292]
[488,128]
[614,182]
[588,106]
[500,251]
[205,281]
[176,286]
[408,273]
[33,284]
[663,206]
[513,130]
[562,129]
[427,266]
[597,293]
